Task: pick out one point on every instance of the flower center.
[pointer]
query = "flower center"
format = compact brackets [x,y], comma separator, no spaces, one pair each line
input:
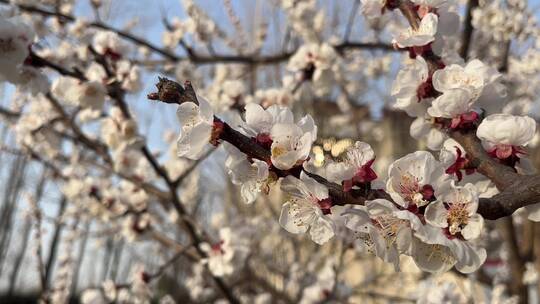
[458,217]
[217,248]
[413,193]
[278,151]
[325,205]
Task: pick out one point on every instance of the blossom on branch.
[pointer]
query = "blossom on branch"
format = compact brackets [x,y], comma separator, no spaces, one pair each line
[356,169]
[252,176]
[15,40]
[386,229]
[415,180]
[307,208]
[455,210]
[412,86]
[315,63]
[473,77]
[197,124]
[424,35]
[220,254]
[505,135]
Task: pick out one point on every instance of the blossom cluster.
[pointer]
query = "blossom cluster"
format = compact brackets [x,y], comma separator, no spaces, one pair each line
[445,95]
[426,215]
[429,211]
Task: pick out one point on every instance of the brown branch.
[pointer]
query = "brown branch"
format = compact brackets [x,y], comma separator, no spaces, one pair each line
[37,61]
[174,93]
[519,191]
[524,191]
[406,7]
[468,29]
[193,166]
[515,261]
[250,59]
[93,144]
[97,24]
[9,114]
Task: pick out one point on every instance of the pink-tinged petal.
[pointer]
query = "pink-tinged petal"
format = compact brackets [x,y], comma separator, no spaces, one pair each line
[503,151]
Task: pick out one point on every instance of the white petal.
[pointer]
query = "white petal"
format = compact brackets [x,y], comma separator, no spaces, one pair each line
[507,129]
[470,258]
[307,124]
[451,104]
[432,258]
[295,187]
[322,230]
[281,114]
[533,212]
[436,214]
[383,250]
[207,114]
[357,219]
[316,189]
[473,228]
[445,79]
[380,206]
[338,172]
[192,142]
[258,119]
[295,221]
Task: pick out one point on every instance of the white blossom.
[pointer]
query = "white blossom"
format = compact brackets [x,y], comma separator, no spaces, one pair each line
[120,132]
[408,87]
[197,123]
[129,76]
[386,229]
[422,36]
[259,121]
[15,40]
[252,176]
[356,168]
[315,62]
[456,210]
[473,77]
[224,255]
[109,44]
[452,104]
[416,179]
[306,208]
[421,128]
[85,94]
[506,134]
[433,251]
